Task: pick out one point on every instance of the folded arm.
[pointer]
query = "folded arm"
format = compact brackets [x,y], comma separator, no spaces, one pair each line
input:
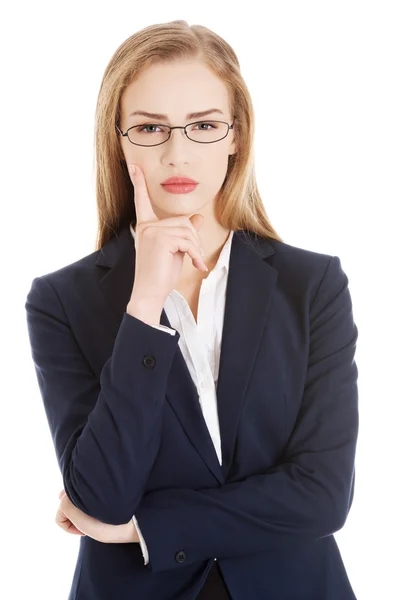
[107,431]
[309,493]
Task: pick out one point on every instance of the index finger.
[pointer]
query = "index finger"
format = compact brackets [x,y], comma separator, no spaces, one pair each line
[144,209]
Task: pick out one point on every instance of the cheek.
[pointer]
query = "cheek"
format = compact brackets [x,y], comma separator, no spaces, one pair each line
[216,170]
[136,157]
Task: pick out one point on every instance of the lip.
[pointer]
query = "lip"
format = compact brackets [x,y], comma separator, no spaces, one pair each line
[180,189]
[179,181]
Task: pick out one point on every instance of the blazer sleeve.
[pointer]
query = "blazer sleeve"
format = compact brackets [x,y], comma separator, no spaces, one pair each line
[106,431]
[309,493]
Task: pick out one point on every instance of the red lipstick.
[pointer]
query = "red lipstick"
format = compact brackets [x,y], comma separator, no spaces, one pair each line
[178,181]
[179,185]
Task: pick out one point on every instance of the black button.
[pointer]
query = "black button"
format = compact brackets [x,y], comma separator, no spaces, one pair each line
[180,556]
[149,361]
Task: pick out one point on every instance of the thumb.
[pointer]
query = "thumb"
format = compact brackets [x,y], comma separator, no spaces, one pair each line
[197,220]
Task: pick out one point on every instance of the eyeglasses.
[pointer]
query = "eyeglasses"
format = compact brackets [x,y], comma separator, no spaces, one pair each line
[214,132]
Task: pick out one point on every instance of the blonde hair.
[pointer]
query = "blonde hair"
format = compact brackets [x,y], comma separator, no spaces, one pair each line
[238,203]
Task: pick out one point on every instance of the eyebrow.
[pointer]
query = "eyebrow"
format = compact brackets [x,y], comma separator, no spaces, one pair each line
[193,115]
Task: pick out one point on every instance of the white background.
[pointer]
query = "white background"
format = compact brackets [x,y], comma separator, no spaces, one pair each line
[324,79]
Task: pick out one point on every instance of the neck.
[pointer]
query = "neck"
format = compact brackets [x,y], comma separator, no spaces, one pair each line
[213,238]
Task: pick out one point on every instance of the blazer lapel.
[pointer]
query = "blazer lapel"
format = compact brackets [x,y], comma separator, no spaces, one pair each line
[250,288]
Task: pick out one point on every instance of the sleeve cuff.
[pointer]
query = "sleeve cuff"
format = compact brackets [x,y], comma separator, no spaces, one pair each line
[165,328]
[142,542]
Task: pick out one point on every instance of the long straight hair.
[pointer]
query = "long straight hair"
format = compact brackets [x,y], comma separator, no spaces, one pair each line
[238,204]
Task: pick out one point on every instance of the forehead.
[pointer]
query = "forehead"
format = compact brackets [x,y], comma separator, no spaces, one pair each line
[177,90]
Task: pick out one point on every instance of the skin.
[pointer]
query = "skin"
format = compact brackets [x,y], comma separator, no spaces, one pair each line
[185,86]
[76,522]
[175,89]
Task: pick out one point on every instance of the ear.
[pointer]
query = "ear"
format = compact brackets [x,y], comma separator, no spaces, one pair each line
[234,151]
[121,146]
[233,145]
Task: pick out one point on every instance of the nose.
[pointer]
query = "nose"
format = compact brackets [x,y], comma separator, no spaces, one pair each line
[177,130]
[176,148]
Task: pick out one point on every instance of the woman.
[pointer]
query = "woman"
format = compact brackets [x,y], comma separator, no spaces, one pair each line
[197,372]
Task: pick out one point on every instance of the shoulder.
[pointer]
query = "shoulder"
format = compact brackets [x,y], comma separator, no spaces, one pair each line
[84,269]
[71,274]
[78,278]
[296,257]
[286,257]
[305,271]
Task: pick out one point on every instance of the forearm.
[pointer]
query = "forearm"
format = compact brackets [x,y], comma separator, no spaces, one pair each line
[113,455]
[106,427]
[146,311]
[121,534]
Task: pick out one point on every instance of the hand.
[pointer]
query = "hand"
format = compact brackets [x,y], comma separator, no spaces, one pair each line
[160,246]
[75,521]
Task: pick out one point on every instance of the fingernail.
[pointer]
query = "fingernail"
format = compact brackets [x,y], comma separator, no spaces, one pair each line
[132,169]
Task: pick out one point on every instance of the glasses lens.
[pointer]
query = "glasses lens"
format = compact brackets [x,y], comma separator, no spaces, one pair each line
[207,131]
[151,134]
[148,134]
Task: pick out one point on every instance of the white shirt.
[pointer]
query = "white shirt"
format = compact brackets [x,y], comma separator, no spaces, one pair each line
[200,343]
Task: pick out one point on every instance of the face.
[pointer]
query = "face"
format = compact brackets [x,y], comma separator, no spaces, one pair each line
[176,89]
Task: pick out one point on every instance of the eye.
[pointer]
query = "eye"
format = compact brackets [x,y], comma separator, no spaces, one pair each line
[146,126]
[206,123]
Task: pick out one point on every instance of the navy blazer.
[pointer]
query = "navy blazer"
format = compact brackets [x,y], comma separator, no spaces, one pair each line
[130,437]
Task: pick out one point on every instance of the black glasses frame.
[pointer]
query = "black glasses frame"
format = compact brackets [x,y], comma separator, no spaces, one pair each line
[177,127]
